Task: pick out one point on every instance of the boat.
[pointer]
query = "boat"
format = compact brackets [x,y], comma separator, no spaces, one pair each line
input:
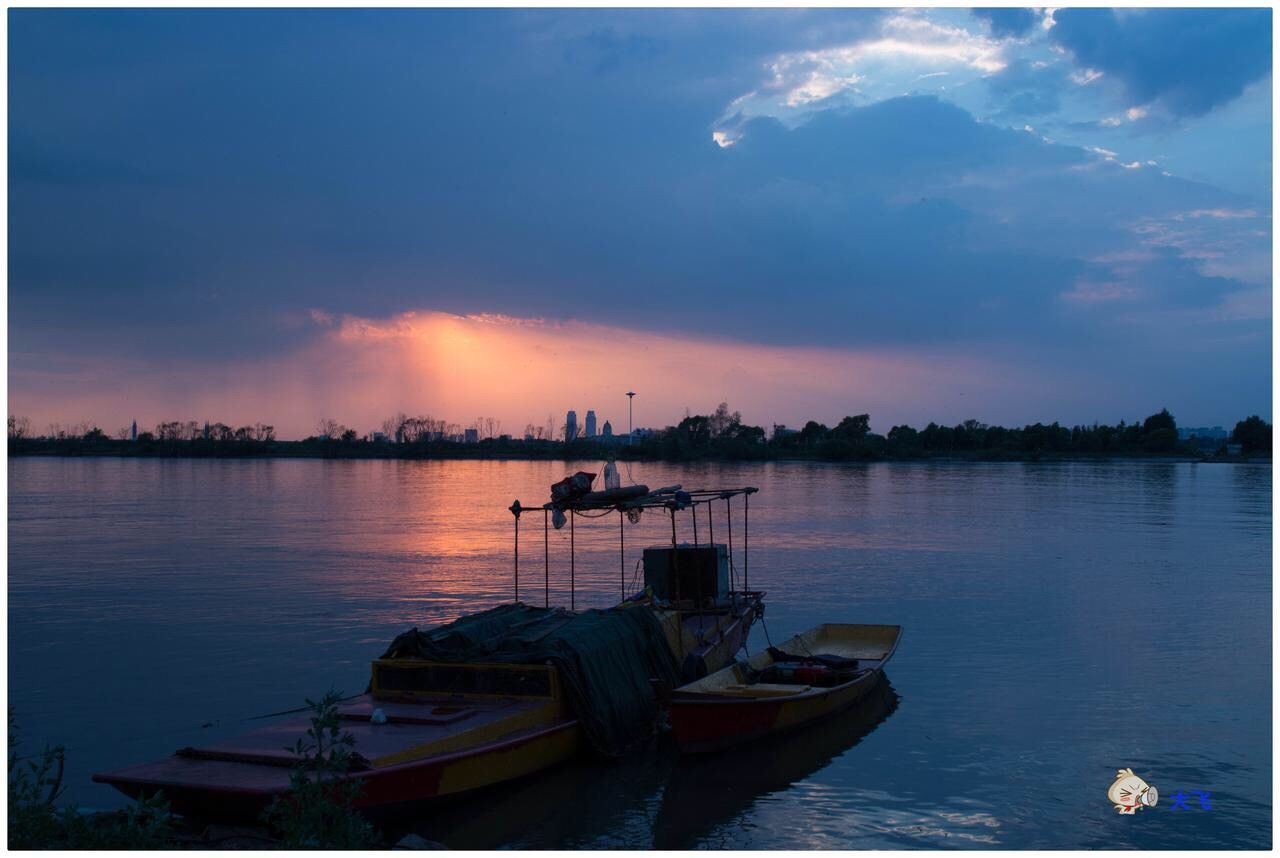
[431,745]
[811,676]
[504,693]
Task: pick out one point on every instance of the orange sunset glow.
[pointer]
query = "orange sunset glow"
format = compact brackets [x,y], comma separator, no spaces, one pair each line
[359,371]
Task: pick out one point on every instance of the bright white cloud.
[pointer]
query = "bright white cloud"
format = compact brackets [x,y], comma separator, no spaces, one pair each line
[908,49]
[724,139]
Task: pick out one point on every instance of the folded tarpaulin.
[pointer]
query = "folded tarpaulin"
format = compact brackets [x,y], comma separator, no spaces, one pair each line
[605,659]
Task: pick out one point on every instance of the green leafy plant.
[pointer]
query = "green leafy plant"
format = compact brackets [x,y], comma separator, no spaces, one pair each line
[35,783]
[35,822]
[319,810]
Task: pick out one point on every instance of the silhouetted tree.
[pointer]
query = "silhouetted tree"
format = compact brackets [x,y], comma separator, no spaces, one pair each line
[813,433]
[852,428]
[936,438]
[19,427]
[1253,434]
[721,423]
[1160,433]
[903,440]
[329,428]
[693,433]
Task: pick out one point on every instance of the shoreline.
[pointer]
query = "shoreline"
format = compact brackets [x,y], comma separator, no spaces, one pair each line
[555,452]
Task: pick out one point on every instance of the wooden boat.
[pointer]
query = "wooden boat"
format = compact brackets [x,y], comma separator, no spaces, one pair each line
[512,720]
[809,677]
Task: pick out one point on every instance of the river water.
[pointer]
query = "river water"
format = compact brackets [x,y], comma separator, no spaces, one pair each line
[1061,621]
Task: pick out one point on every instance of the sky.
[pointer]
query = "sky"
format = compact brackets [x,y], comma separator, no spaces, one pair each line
[1009,215]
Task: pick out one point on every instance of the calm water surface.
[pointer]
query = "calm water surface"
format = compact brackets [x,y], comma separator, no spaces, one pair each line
[1061,621]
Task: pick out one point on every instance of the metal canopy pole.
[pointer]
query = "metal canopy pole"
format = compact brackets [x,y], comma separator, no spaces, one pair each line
[675,571]
[675,556]
[572,583]
[546,560]
[746,537]
[693,508]
[622,553]
[728,517]
[515,511]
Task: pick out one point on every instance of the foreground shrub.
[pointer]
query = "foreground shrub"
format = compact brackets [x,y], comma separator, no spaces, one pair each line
[35,822]
[319,811]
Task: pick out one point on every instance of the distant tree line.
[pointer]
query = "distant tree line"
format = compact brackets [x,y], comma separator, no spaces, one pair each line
[719,435]
[724,434]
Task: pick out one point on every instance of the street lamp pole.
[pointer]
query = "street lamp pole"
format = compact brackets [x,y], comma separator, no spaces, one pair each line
[631,436]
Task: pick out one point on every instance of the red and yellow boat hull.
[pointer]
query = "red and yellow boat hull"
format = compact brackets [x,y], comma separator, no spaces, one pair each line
[729,707]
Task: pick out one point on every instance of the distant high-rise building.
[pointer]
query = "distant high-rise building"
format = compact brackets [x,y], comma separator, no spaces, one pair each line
[591,423]
[472,436]
[608,430]
[206,430]
[570,425]
[133,431]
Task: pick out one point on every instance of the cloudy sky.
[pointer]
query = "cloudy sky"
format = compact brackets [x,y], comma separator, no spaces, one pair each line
[1009,215]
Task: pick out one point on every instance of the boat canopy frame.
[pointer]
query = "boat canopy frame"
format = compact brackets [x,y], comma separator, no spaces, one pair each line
[673,499]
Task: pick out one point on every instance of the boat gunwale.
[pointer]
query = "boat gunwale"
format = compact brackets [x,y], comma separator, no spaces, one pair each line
[112,779]
[679,696]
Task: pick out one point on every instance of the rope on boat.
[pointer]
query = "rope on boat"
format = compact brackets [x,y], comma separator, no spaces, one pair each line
[763,625]
[295,711]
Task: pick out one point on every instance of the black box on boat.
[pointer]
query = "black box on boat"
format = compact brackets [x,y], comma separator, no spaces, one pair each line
[688,572]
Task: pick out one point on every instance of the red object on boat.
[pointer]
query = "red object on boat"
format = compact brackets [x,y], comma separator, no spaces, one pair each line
[812,674]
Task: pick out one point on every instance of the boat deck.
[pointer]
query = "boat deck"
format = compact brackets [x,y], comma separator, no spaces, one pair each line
[259,760]
[870,645]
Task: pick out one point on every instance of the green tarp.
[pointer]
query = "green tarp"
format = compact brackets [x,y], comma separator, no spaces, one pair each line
[605,660]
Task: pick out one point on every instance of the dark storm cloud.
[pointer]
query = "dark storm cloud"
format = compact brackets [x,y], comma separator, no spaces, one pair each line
[1008,22]
[363,160]
[1190,60]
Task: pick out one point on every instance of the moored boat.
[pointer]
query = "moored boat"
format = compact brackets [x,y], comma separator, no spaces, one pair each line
[488,698]
[432,746]
[809,677]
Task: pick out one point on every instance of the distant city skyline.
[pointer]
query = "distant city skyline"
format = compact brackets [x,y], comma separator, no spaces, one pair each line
[486,427]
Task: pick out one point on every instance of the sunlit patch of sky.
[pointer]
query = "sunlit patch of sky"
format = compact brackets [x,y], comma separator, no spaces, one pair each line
[1019,81]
